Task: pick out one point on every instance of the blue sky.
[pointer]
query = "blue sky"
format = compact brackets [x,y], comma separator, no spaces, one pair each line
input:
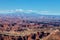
[47,7]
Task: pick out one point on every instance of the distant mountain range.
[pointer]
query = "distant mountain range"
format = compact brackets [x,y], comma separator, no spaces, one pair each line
[30,15]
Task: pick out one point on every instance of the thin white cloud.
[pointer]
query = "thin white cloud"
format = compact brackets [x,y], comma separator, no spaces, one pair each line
[17,10]
[6,11]
[25,11]
[29,10]
[21,10]
[43,12]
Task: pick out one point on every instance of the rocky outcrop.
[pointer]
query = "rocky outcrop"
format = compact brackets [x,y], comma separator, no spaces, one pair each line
[55,35]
